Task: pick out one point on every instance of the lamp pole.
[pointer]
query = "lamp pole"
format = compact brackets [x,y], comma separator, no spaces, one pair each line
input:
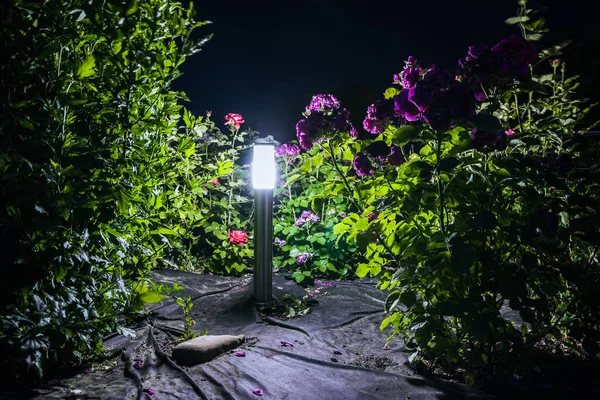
[263,180]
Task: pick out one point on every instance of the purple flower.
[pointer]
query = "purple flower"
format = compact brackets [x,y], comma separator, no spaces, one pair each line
[258,392]
[378,150]
[303,257]
[462,103]
[396,157]
[353,131]
[281,150]
[343,214]
[306,217]
[323,102]
[279,242]
[410,76]
[341,122]
[404,107]
[305,142]
[310,129]
[150,392]
[379,115]
[422,93]
[438,113]
[475,52]
[293,150]
[362,165]
[439,77]
[397,78]
[286,344]
[372,216]
[516,51]
[240,354]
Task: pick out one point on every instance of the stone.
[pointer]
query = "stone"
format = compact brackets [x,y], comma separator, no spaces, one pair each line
[204,348]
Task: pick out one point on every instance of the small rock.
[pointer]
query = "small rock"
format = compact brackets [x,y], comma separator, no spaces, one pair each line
[204,348]
[334,359]
[337,353]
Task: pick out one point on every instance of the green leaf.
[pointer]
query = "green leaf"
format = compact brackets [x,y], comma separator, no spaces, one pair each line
[317,160]
[448,164]
[60,274]
[516,20]
[86,68]
[362,270]
[151,297]
[306,166]
[391,92]
[404,135]
[536,87]
[391,301]
[486,122]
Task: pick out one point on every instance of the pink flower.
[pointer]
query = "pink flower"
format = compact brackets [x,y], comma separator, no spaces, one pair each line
[86,371]
[510,132]
[238,237]
[286,344]
[258,392]
[556,62]
[372,216]
[215,182]
[150,392]
[234,119]
[240,354]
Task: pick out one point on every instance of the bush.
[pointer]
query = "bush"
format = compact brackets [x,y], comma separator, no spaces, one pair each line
[100,180]
[476,191]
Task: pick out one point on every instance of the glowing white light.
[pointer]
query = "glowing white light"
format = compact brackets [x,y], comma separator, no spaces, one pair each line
[263,166]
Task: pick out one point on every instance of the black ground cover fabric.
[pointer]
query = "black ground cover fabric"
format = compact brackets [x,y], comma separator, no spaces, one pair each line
[338,350]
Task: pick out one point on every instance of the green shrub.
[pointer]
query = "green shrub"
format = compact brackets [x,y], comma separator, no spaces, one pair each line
[475,191]
[100,181]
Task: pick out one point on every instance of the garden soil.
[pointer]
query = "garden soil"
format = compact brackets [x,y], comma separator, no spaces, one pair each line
[334,352]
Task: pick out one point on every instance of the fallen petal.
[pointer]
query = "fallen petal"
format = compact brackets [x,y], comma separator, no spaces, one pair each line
[150,392]
[240,354]
[258,392]
[286,344]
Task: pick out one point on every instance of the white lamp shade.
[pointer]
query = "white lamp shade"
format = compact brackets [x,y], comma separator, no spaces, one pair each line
[263,166]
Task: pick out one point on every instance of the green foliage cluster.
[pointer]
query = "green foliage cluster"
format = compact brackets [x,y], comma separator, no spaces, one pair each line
[300,190]
[460,233]
[100,180]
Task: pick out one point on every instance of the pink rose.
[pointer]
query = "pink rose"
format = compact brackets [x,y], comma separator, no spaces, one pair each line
[234,119]
[215,182]
[238,237]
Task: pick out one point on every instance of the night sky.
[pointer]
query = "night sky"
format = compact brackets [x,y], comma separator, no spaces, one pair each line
[267,58]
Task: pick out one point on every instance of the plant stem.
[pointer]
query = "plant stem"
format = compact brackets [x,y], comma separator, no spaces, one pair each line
[232,172]
[438,156]
[517,111]
[351,193]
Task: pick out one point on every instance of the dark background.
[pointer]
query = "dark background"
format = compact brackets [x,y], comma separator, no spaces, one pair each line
[267,58]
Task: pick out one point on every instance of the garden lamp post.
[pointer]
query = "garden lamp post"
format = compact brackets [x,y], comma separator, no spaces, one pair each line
[263,181]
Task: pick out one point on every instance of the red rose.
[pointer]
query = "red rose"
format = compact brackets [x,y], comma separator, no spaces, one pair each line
[234,119]
[238,237]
